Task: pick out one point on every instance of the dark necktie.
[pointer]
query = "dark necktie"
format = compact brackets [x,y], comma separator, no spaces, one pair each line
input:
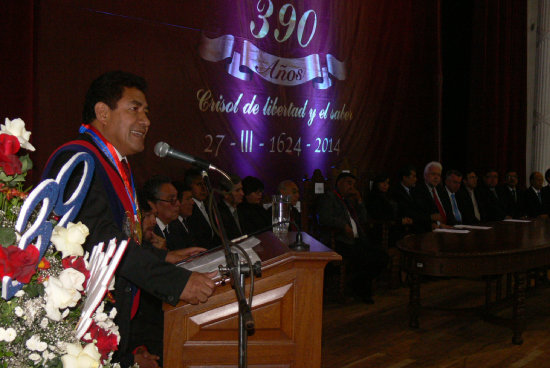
[165,232]
[125,167]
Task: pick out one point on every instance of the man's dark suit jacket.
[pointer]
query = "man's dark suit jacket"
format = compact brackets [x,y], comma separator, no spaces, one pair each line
[493,206]
[334,216]
[515,207]
[447,206]
[466,206]
[253,217]
[546,199]
[533,206]
[141,265]
[406,207]
[425,203]
[180,237]
[201,229]
[231,227]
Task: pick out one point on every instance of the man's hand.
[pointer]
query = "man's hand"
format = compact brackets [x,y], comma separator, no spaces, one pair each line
[175,256]
[199,287]
[145,359]
[158,241]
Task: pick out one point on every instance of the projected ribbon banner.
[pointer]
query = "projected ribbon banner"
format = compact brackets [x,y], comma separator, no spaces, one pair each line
[278,70]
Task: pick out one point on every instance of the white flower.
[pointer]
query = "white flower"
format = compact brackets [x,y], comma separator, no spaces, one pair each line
[69,240]
[58,297]
[77,357]
[35,344]
[18,311]
[44,323]
[16,127]
[46,355]
[72,279]
[8,334]
[20,293]
[35,358]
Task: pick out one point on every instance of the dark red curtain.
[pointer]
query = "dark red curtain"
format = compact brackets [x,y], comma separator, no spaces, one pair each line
[484,88]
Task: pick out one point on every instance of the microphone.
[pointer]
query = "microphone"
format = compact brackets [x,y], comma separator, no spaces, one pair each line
[163,149]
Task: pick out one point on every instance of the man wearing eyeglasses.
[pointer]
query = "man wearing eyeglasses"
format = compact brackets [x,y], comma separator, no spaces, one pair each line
[162,196]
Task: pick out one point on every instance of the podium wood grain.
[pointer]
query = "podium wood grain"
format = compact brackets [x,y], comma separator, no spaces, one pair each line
[287,309]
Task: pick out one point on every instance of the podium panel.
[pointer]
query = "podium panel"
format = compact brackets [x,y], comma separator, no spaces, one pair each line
[287,309]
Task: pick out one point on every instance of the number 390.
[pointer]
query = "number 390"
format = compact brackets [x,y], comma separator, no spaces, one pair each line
[287,18]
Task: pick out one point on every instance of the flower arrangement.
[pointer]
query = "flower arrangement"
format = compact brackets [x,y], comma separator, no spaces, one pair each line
[13,170]
[38,325]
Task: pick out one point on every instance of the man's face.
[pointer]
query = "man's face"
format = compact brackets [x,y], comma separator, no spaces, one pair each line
[254,197]
[291,190]
[453,183]
[167,205]
[236,195]
[148,223]
[491,179]
[198,188]
[346,186]
[186,204]
[433,176]
[512,179]
[126,126]
[538,181]
[471,180]
[410,181]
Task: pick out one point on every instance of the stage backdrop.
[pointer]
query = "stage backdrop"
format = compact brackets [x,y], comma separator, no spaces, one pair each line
[270,88]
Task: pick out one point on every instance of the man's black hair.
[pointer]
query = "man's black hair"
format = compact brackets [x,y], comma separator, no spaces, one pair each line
[108,88]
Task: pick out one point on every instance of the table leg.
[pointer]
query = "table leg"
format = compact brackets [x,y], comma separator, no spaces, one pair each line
[414,299]
[518,318]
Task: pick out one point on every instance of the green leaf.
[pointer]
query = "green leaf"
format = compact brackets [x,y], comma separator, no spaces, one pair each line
[26,163]
[7,236]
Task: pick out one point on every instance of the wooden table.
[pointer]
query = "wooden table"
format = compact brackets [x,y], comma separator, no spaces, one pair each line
[507,248]
[287,308]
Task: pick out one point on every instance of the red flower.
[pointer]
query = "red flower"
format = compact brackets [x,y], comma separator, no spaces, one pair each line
[9,162]
[106,341]
[24,262]
[9,144]
[6,268]
[78,264]
[44,264]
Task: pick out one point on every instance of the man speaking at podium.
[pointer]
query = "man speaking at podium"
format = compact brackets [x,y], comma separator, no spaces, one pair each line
[115,124]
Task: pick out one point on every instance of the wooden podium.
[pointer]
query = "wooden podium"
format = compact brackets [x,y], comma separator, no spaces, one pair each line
[287,309]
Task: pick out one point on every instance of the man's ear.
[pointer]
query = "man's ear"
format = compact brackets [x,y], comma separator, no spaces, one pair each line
[153,206]
[102,112]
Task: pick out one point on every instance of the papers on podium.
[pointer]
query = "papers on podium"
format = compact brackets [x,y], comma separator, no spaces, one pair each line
[210,261]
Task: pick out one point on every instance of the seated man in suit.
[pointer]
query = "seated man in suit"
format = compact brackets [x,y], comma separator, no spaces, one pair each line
[451,197]
[511,195]
[179,232]
[493,205]
[162,196]
[342,216]
[427,199]
[546,192]
[252,214]
[199,221]
[402,194]
[533,196]
[232,196]
[290,189]
[470,210]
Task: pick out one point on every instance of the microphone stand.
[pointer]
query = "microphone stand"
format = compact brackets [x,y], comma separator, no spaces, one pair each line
[237,273]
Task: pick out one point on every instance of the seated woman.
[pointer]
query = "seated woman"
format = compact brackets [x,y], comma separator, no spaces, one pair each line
[252,215]
[382,208]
